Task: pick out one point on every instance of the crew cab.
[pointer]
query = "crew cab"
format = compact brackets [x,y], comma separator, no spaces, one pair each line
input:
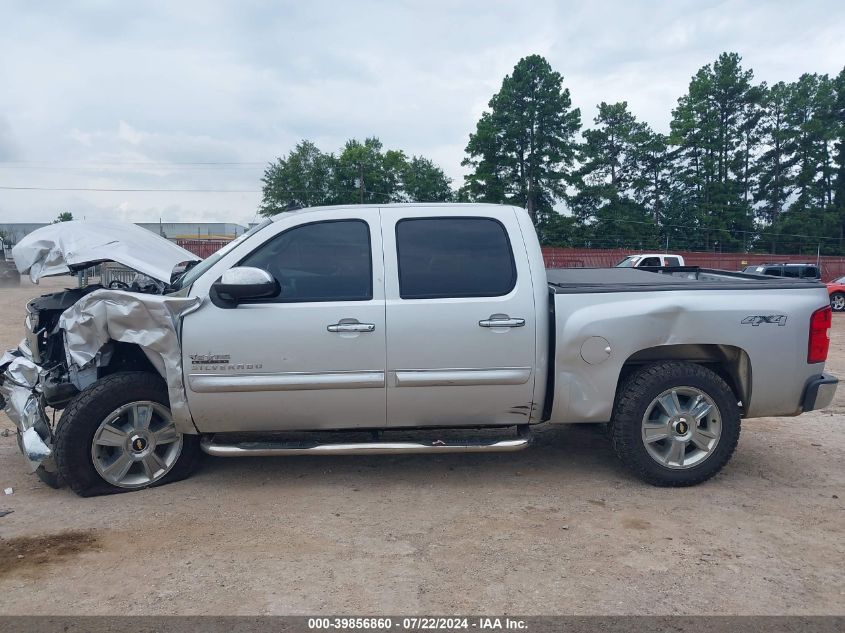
[418,328]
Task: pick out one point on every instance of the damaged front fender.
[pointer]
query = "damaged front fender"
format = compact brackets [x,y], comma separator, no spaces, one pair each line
[150,321]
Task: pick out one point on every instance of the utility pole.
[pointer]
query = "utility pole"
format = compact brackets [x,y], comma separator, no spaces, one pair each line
[361,181]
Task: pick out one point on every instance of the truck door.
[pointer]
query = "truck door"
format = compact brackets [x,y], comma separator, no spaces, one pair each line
[311,358]
[460,318]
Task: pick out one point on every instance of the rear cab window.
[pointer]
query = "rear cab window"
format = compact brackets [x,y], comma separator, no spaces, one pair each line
[452,257]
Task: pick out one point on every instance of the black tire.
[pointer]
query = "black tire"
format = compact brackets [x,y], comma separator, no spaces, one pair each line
[632,402]
[51,478]
[82,417]
[837,299]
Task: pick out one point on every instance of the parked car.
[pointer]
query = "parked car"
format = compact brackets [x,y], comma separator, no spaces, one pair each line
[651,260]
[836,290]
[796,271]
[378,321]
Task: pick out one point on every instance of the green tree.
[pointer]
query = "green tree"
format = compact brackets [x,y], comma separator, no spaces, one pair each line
[301,179]
[839,160]
[364,174]
[774,167]
[64,216]
[523,148]
[713,129]
[652,173]
[607,203]
[812,221]
[423,181]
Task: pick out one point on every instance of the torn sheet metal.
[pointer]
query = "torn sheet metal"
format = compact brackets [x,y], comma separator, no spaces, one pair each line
[23,372]
[150,321]
[53,249]
[19,389]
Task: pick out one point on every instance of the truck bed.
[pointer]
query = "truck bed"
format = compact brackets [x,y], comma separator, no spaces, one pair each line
[597,280]
[602,319]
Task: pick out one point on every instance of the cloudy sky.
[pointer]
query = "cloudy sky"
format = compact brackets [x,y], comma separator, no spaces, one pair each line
[201,94]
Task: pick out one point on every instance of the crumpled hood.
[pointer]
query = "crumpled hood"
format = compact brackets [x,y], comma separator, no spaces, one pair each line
[54,249]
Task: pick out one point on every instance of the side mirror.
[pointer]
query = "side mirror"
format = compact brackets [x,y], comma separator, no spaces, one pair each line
[243,283]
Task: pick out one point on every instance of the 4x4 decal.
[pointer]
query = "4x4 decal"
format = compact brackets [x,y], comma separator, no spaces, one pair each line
[780,319]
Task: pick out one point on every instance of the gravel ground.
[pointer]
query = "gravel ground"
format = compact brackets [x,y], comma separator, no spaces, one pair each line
[559,529]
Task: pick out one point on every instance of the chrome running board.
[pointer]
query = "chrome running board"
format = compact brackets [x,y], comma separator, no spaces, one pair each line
[273,449]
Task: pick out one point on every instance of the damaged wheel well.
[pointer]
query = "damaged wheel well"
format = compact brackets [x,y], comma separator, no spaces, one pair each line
[729,362]
[126,357]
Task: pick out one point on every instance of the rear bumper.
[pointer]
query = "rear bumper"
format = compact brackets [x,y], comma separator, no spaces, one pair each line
[819,392]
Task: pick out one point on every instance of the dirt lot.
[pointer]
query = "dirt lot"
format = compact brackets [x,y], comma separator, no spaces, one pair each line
[559,529]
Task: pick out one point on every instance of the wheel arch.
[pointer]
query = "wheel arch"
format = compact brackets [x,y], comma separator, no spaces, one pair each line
[127,357]
[731,363]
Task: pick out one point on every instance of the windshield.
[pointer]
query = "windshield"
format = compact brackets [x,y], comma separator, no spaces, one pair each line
[628,262]
[193,273]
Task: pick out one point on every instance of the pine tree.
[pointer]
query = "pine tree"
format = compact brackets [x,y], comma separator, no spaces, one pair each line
[713,127]
[610,174]
[523,149]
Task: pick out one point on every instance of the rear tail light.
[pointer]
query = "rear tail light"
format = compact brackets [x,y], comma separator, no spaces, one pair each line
[819,335]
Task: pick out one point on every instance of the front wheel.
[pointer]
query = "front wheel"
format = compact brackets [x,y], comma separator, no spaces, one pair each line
[837,301]
[675,424]
[118,435]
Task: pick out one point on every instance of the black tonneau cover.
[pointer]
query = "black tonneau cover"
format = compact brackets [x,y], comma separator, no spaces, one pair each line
[579,280]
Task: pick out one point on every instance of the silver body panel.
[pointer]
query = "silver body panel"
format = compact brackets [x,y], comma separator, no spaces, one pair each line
[432,362]
[444,367]
[286,370]
[637,321]
[388,362]
[54,249]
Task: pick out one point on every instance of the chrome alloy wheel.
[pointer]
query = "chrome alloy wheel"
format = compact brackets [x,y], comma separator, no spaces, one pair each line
[136,445]
[837,302]
[681,427]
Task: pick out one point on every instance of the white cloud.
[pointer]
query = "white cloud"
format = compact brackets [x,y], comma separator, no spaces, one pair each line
[95,89]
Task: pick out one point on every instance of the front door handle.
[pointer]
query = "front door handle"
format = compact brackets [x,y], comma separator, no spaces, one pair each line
[501,320]
[351,327]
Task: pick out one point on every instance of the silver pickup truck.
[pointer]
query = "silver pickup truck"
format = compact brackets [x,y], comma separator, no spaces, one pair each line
[415,328]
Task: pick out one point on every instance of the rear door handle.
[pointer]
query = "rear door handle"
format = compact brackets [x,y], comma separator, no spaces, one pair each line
[501,320]
[351,327]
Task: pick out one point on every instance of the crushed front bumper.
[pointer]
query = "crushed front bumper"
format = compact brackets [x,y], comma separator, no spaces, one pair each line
[22,400]
[819,392]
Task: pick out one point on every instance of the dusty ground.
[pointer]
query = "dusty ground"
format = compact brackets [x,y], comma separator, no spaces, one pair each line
[560,528]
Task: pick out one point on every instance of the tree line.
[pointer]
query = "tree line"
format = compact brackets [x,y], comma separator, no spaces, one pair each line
[745,166]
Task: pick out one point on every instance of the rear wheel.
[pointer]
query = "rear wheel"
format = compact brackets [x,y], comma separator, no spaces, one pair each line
[118,435]
[837,301]
[675,424]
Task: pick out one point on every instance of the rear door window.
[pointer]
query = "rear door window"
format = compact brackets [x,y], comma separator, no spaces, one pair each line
[453,257]
[673,261]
